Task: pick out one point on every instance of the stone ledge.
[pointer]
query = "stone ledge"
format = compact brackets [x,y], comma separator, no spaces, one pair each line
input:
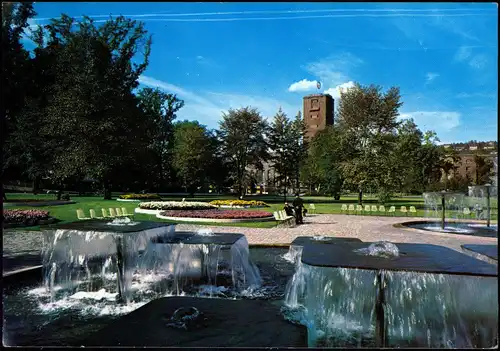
[224,323]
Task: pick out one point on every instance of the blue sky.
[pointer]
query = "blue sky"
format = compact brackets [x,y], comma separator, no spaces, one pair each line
[215,56]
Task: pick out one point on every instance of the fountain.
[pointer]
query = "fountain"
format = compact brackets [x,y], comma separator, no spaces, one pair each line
[393,295]
[455,211]
[479,199]
[172,273]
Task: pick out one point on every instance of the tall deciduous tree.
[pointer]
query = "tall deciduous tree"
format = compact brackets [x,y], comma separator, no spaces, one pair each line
[243,143]
[323,165]
[160,110]
[15,80]
[93,118]
[192,154]
[368,119]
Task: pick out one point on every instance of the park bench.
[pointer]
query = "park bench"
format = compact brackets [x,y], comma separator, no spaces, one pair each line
[282,218]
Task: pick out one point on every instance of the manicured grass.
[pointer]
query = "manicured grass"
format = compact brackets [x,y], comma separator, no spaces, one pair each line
[324,205]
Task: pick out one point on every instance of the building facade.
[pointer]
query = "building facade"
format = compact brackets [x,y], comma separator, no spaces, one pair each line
[318,113]
[467,167]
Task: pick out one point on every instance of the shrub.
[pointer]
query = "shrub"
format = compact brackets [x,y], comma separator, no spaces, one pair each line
[65,197]
[24,216]
[175,205]
[218,214]
[140,197]
[251,203]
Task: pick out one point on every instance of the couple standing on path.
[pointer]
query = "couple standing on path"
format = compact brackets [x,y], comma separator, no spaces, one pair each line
[297,210]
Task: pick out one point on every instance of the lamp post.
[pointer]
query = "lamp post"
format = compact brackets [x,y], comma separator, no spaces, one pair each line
[284,166]
[488,208]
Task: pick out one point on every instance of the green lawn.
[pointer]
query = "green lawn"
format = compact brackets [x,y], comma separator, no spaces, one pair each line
[324,205]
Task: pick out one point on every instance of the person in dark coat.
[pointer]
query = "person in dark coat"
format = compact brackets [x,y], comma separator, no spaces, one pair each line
[288,209]
[298,205]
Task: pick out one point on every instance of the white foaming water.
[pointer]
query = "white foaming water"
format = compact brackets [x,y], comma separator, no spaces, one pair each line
[205,232]
[294,254]
[380,249]
[95,295]
[448,229]
[122,221]
[318,237]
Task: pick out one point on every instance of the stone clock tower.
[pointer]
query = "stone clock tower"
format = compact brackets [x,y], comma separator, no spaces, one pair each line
[318,113]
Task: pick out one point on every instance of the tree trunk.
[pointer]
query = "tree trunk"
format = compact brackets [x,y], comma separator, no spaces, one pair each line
[59,194]
[36,185]
[107,190]
[4,195]
[360,197]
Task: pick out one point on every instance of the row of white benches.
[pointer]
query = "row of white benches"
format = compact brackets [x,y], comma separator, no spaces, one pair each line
[376,209]
[113,213]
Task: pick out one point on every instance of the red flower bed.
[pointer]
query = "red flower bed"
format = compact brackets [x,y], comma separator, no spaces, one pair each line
[217,214]
[24,216]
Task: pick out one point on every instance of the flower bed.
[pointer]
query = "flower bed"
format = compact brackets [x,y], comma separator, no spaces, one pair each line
[175,205]
[35,203]
[13,218]
[139,197]
[216,215]
[238,203]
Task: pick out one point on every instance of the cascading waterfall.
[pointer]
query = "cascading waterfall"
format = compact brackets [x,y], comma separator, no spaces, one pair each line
[179,265]
[338,306]
[441,311]
[73,256]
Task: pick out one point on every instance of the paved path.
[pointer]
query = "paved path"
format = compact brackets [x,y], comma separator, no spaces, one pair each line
[22,249]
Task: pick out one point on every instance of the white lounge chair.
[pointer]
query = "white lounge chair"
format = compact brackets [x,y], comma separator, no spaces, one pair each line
[351,208]
[312,208]
[392,210]
[81,215]
[359,209]
[403,210]
[367,209]
[381,208]
[93,214]
[413,210]
[343,208]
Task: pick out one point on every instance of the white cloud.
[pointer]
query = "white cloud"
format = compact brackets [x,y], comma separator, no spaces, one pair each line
[440,121]
[207,107]
[465,55]
[333,73]
[303,85]
[335,92]
[335,69]
[429,77]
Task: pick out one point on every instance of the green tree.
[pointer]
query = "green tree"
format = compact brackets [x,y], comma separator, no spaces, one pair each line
[280,139]
[484,170]
[368,119]
[323,164]
[160,110]
[192,154]
[93,119]
[241,133]
[298,148]
[406,157]
[15,80]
